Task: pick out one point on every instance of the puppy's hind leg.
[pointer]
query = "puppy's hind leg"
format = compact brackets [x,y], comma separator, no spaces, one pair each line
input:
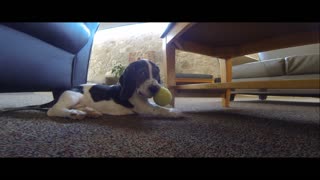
[62,108]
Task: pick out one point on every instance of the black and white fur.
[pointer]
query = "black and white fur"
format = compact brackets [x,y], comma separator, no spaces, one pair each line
[139,82]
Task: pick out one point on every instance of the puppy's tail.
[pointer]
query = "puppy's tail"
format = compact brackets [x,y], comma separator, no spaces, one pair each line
[22,108]
[42,107]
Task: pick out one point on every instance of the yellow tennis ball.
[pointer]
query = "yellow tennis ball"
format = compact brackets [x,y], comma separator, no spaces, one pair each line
[163,97]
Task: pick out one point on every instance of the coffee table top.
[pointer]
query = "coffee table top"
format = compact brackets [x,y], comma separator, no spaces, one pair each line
[226,40]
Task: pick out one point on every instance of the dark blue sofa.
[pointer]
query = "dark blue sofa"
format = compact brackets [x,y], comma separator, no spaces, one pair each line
[51,56]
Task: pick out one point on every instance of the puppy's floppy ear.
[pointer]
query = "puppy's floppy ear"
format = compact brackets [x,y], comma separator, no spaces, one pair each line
[158,77]
[156,72]
[127,82]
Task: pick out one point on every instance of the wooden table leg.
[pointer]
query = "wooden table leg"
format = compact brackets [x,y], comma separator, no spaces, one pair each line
[226,76]
[169,61]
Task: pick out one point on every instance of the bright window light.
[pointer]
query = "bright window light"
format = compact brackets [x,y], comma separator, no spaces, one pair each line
[130,30]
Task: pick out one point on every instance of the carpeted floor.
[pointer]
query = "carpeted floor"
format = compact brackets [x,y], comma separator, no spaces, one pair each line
[250,128]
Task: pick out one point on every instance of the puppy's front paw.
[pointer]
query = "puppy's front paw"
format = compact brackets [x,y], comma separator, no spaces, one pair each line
[175,113]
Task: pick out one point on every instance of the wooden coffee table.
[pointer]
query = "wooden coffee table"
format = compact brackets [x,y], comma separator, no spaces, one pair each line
[229,40]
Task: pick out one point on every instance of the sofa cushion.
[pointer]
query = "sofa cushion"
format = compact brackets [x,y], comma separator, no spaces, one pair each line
[267,68]
[307,64]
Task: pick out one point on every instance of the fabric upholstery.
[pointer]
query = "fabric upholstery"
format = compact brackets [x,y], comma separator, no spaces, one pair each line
[293,68]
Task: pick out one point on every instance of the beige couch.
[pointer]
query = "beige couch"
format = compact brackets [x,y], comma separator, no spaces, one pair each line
[291,67]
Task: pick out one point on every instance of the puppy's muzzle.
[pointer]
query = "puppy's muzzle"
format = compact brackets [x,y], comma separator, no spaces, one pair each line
[154,89]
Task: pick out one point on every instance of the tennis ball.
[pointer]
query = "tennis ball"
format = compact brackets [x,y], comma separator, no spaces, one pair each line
[163,97]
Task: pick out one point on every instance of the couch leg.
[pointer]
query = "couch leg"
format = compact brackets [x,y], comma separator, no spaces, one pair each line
[232,96]
[56,94]
[262,97]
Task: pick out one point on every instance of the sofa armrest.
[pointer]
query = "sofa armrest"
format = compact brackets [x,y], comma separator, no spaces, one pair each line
[70,37]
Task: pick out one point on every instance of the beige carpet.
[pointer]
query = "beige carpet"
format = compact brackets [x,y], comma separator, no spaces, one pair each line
[278,127]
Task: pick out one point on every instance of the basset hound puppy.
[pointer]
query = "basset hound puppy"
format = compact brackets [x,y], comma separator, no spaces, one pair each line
[139,82]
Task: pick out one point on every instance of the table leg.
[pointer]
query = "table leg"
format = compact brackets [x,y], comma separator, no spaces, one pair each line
[226,76]
[169,61]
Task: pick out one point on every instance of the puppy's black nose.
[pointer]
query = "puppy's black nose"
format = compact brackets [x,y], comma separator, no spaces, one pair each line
[154,89]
